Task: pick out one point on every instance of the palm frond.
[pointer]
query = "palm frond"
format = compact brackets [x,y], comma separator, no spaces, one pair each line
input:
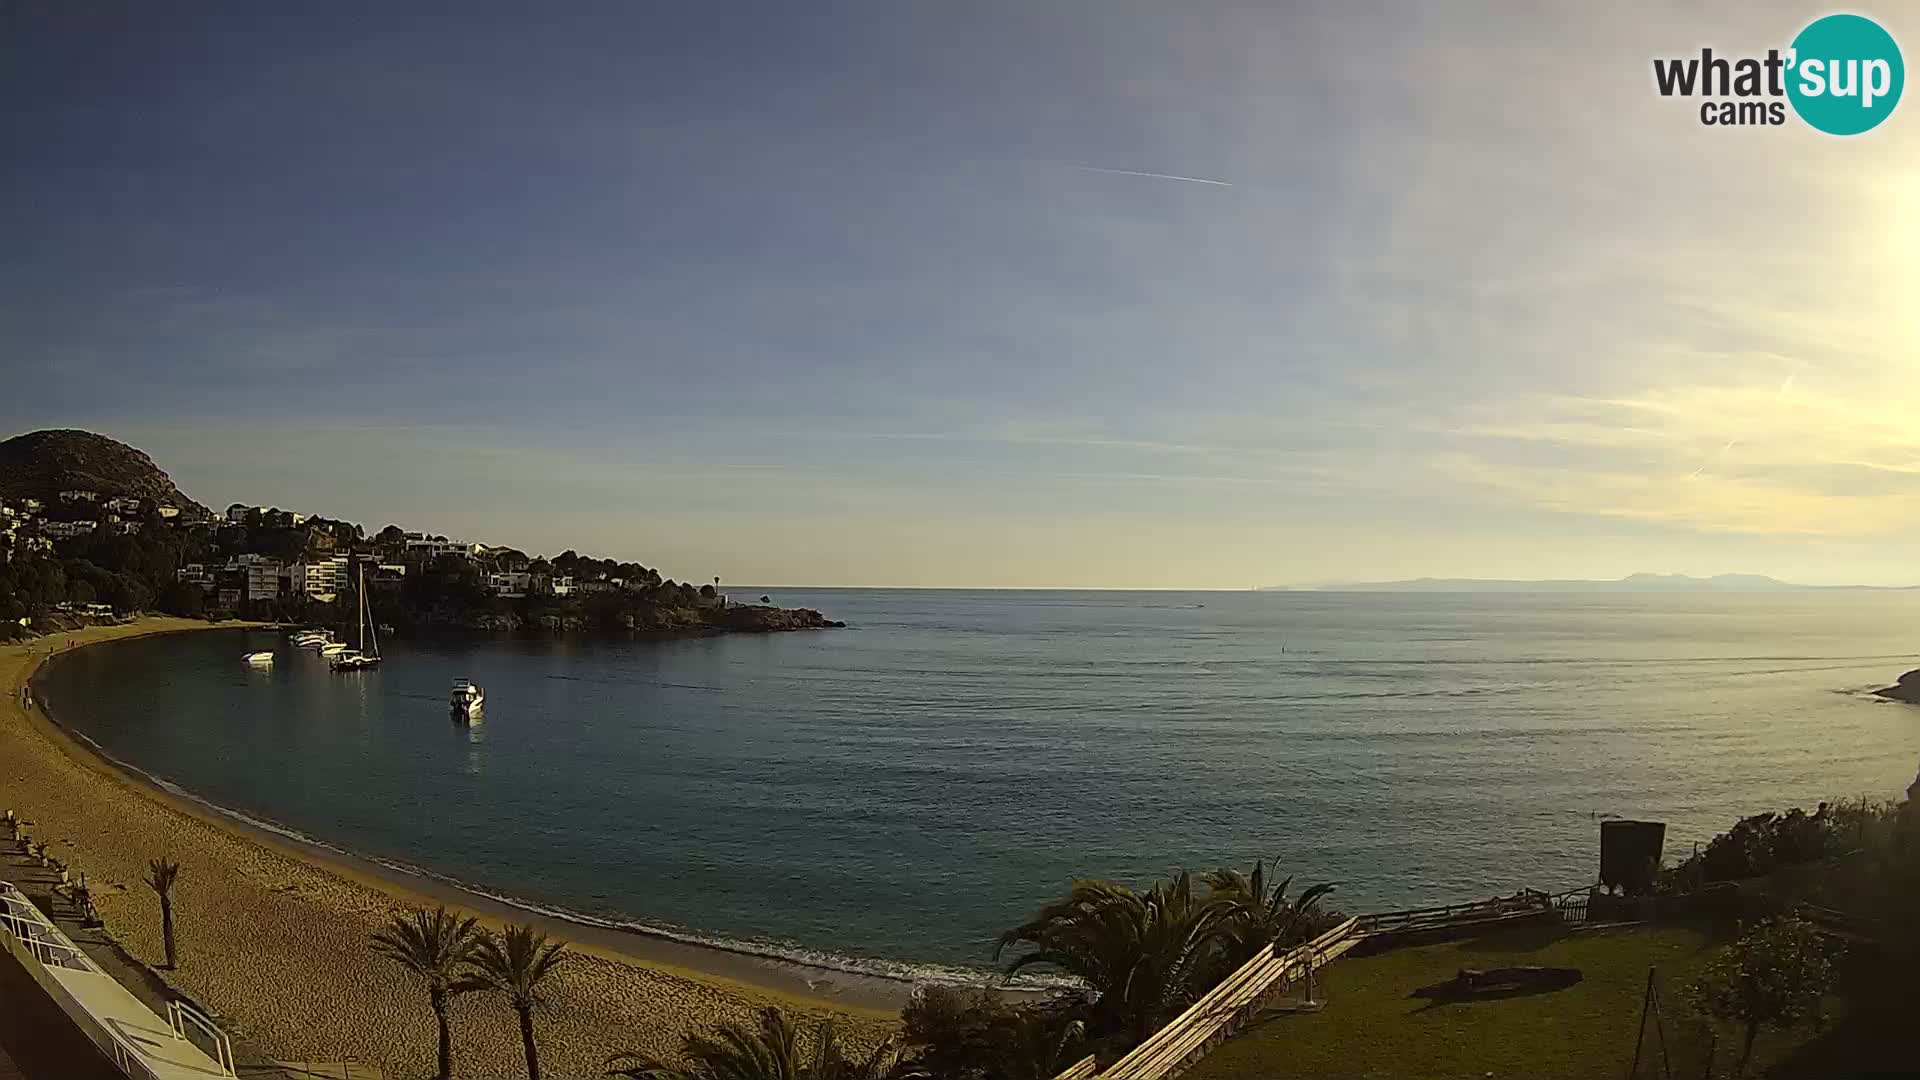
[432,944]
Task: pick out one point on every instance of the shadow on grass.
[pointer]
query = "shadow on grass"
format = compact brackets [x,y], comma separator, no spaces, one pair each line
[1496,986]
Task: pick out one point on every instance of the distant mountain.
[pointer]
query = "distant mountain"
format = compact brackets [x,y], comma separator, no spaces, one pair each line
[42,464]
[1630,583]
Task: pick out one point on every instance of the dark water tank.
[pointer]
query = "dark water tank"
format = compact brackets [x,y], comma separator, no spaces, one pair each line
[1630,854]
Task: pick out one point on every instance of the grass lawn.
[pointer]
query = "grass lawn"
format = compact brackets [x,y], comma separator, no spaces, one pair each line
[1372,1027]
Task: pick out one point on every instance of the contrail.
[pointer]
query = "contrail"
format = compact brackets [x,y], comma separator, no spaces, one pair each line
[1151,175]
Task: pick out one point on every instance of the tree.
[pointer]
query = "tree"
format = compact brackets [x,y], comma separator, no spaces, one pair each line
[1774,976]
[513,965]
[161,874]
[1145,955]
[1040,1047]
[1256,915]
[178,598]
[771,1049]
[435,945]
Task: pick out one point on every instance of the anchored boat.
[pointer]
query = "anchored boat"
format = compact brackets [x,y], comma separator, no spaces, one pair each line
[366,655]
[466,699]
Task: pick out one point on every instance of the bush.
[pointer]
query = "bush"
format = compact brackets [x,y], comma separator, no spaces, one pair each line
[973,1035]
[1761,844]
[1774,976]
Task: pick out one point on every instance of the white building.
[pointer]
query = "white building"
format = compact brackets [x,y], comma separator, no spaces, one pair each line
[79,496]
[196,574]
[263,579]
[321,580]
[424,549]
[123,504]
[510,584]
[168,511]
[66,530]
[237,513]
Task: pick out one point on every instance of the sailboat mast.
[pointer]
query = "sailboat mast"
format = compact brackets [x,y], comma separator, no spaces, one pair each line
[368,603]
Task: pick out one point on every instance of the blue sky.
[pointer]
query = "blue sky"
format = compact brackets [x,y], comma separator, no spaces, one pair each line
[862,294]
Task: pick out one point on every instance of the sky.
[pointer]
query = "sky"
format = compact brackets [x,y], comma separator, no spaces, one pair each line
[1114,294]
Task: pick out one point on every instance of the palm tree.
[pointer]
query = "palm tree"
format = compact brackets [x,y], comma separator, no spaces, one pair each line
[771,1049]
[1257,914]
[1144,955]
[434,945]
[513,965]
[160,875]
[1042,1047]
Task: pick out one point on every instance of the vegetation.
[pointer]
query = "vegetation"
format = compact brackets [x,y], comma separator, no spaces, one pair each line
[514,965]
[1257,913]
[773,1048]
[1764,843]
[1144,956]
[438,947]
[131,559]
[974,1035]
[160,875]
[1773,977]
[1371,1025]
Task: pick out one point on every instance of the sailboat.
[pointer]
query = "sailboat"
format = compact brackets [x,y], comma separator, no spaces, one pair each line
[361,659]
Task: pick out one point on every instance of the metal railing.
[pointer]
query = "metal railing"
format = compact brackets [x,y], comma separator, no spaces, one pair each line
[42,940]
[1408,918]
[38,944]
[182,1014]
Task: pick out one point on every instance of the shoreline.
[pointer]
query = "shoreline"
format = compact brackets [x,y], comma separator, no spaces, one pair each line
[276,870]
[767,972]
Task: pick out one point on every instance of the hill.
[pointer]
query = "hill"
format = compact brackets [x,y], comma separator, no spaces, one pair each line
[42,464]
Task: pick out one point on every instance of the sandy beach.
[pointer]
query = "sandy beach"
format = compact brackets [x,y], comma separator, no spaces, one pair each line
[273,934]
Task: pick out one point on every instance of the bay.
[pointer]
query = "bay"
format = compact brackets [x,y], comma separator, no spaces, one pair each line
[891,796]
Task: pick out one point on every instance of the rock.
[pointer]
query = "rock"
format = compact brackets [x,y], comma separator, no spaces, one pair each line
[750,618]
[1906,688]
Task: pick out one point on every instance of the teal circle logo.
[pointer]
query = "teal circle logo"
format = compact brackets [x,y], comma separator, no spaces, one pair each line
[1845,74]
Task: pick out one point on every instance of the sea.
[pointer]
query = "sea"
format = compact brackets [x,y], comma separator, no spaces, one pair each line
[890,797]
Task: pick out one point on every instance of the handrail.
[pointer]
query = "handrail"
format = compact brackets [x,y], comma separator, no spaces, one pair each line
[21,921]
[181,1012]
[1220,1009]
[1079,1070]
[1524,900]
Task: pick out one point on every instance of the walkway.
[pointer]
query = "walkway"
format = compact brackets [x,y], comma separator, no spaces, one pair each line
[121,1028]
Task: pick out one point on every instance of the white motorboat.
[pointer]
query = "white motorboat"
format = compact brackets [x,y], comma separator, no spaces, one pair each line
[259,659]
[466,699]
[335,648]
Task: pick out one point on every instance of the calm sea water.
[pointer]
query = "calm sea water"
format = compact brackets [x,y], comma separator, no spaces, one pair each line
[902,790]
